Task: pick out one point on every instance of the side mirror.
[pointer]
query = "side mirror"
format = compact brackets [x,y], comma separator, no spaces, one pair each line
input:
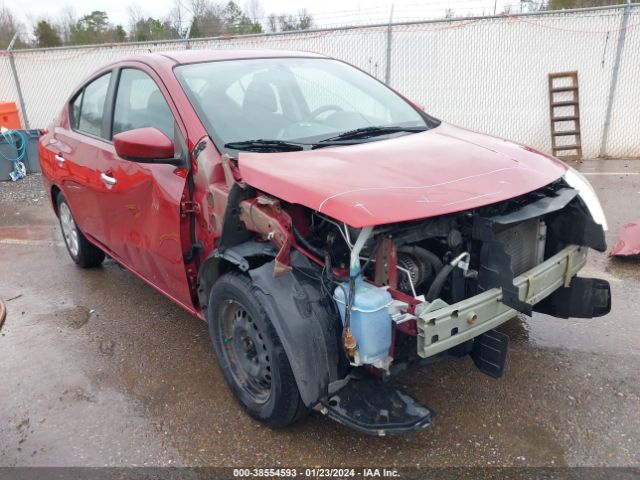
[145,145]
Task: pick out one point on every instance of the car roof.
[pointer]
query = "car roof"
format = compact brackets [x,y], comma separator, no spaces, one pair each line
[172,58]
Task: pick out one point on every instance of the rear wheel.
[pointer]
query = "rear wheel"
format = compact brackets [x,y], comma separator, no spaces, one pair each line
[250,354]
[82,252]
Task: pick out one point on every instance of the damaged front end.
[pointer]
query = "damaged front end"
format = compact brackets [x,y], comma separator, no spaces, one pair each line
[355,306]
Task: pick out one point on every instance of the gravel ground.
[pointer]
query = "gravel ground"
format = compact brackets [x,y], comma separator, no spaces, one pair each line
[27,190]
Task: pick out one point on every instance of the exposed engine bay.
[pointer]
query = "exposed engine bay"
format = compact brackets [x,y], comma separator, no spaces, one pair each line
[422,261]
[385,297]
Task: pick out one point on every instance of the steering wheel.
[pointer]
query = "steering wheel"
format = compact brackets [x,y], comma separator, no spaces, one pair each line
[325,108]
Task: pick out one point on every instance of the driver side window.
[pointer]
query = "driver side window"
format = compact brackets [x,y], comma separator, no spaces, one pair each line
[322,89]
[140,103]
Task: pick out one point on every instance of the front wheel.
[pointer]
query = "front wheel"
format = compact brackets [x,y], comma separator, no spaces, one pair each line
[250,354]
[82,252]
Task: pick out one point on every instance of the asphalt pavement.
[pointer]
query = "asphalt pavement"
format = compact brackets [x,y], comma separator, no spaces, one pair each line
[97,368]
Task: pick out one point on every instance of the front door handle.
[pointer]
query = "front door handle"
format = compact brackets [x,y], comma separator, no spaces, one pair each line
[109,181]
[59,159]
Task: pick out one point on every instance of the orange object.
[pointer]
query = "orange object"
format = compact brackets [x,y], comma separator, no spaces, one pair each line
[9,117]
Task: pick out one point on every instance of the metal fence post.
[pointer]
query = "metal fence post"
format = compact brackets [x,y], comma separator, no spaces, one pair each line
[614,79]
[16,80]
[387,73]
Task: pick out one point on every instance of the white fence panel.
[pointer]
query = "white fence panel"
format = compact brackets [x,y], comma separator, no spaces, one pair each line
[624,131]
[487,74]
[491,74]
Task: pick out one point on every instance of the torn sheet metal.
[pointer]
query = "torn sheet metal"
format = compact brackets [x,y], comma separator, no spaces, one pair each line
[628,240]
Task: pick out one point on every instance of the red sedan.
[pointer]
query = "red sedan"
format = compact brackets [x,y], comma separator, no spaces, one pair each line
[330,232]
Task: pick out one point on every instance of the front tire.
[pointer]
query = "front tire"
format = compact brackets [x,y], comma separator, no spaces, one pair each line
[83,253]
[250,354]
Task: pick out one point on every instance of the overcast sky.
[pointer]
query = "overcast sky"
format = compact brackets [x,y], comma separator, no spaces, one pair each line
[325,12]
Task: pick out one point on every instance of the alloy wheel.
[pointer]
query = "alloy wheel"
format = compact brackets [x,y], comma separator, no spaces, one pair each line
[69,229]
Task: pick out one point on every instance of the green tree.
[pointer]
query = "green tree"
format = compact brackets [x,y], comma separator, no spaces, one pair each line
[214,19]
[289,22]
[92,28]
[117,34]
[151,29]
[207,19]
[46,35]
[236,22]
[232,14]
[97,21]
[305,20]
[246,26]
[208,25]
[96,28]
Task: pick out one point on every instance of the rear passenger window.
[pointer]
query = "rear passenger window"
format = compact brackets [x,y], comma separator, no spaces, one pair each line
[140,103]
[91,108]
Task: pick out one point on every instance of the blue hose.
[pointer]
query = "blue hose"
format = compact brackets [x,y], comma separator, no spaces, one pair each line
[17,138]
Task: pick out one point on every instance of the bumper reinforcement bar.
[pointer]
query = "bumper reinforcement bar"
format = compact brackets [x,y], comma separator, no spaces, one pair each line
[442,326]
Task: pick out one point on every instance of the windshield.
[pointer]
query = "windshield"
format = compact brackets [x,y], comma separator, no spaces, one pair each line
[291,100]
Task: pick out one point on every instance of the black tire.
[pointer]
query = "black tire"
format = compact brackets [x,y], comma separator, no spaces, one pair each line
[81,251]
[250,354]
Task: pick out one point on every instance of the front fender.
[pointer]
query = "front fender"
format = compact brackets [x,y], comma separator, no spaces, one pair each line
[238,256]
[305,322]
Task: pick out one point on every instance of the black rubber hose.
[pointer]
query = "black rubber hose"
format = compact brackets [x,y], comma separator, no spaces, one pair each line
[349,302]
[438,283]
[306,244]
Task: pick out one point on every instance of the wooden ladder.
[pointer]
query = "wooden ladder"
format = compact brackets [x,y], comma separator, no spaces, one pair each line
[560,87]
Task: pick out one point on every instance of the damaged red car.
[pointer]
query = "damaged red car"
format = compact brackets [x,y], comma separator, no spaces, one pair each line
[330,232]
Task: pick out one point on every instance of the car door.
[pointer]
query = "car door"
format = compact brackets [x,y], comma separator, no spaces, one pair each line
[82,154]
[143,214]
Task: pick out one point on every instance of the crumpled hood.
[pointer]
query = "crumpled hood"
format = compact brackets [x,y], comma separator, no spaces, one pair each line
[440,171]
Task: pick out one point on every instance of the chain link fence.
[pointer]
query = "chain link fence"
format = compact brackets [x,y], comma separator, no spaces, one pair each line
[489,74]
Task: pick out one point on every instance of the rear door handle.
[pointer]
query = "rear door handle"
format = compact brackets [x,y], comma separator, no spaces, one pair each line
[59,159]
[110,181]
